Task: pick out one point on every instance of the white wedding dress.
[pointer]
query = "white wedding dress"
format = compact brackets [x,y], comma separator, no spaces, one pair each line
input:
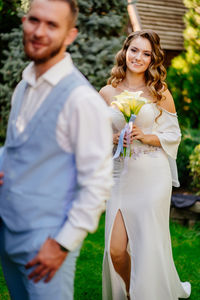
[142,192]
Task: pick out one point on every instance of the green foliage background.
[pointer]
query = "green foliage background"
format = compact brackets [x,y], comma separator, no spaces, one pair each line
[190,139]
[102,28]
[184,73]
[8,18]
[183,80]
[194,166]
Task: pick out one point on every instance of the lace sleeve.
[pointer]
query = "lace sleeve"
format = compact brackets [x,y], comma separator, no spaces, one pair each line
[168,131]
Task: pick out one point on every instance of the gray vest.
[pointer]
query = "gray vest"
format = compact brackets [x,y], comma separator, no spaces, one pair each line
[40,182]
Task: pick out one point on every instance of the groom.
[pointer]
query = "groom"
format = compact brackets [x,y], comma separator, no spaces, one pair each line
[56,165]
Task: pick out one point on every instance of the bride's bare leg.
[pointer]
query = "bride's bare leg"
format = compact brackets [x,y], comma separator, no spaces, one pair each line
[118,250]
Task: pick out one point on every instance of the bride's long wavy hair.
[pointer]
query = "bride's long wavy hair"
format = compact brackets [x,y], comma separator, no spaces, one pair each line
[154,75]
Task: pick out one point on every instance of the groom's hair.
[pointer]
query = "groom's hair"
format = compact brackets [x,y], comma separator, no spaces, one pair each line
[73,7]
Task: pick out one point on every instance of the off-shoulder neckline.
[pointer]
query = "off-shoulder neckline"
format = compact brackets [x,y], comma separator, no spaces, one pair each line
[151,102]
[168,112]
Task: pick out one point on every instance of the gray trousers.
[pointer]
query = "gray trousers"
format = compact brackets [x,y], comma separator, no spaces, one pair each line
[61,287]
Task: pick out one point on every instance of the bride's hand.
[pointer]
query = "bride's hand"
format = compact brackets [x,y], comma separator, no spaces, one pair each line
[125,143]
[128,139]
[137,133]
[116,138]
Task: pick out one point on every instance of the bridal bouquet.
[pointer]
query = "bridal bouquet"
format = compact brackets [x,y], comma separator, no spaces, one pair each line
[129,103]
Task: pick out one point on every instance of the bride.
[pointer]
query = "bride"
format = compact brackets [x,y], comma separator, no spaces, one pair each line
[138,262]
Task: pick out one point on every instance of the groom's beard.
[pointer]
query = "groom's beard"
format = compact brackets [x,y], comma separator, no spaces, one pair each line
[40,57]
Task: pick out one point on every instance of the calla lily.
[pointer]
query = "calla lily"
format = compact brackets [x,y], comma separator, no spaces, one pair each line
[129,103]
[127,109]
[124,107]
[118,105]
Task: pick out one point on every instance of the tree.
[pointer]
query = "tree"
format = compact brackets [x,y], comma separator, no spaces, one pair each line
[184,73]
[13,65]
[183,79]
[9,15]
[102,29]
[8,18]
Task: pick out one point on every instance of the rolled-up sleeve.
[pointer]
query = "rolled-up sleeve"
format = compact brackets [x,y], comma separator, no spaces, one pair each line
[90,136]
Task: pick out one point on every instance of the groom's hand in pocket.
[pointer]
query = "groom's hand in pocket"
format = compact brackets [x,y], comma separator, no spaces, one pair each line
[48,260]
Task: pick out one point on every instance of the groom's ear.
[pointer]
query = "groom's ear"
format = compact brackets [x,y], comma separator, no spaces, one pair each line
[71,36]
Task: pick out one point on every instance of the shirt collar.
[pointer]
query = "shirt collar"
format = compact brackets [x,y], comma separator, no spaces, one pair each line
[52,76]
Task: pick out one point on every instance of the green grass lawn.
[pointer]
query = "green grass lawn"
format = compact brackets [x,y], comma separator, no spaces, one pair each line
[186,246]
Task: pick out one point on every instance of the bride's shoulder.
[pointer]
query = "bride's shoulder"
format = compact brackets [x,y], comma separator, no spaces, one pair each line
[107,93]
[167,102]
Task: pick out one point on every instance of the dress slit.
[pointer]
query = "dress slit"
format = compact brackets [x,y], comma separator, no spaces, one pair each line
[121,293]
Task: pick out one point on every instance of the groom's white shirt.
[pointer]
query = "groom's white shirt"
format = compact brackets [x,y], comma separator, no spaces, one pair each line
[73,130]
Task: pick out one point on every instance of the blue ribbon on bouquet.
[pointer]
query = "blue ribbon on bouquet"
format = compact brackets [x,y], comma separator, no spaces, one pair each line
[120,148]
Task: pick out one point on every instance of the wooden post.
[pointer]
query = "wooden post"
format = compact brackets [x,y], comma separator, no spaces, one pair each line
[133,15]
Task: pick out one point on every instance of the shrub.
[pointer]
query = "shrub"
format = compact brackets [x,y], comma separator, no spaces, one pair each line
[194,166]
[183,77]
[13,65]
[190,139]
[184,73]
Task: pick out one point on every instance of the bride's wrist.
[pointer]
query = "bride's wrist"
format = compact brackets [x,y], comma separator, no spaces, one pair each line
[144,139]
[151,140]
[115,139]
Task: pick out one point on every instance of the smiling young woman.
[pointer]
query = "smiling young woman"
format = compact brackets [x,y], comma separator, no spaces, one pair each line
[138,263]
